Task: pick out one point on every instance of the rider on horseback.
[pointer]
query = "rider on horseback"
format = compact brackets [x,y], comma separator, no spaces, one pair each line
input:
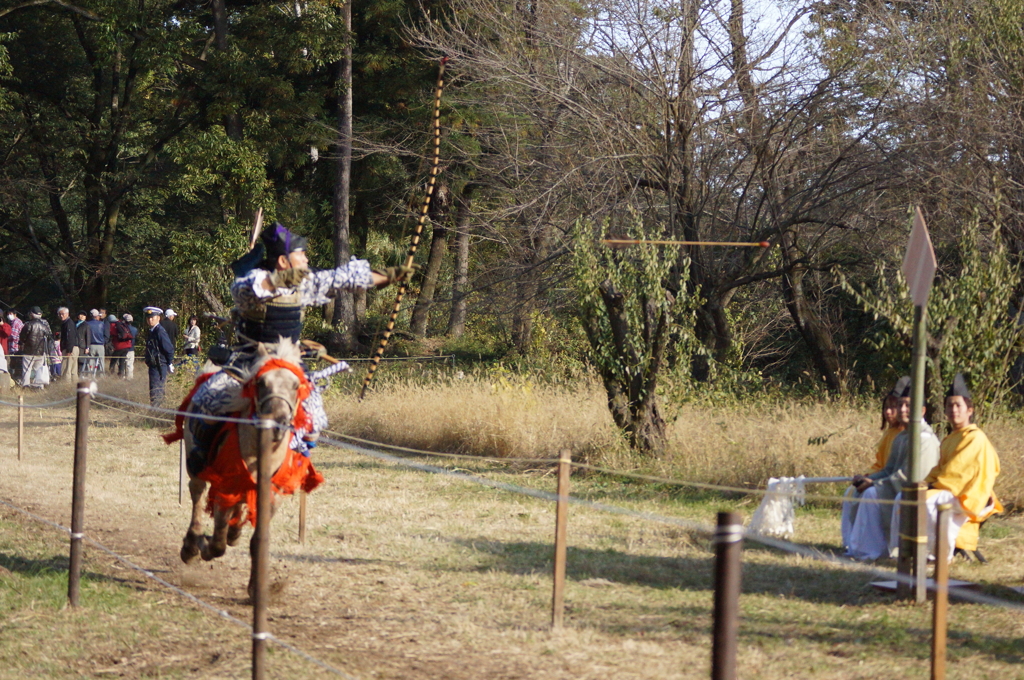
[271,293]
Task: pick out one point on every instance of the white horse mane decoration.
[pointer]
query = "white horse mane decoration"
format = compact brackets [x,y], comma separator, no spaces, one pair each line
[774,516]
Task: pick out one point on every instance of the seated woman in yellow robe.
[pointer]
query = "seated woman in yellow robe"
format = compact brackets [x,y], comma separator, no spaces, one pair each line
[966,473]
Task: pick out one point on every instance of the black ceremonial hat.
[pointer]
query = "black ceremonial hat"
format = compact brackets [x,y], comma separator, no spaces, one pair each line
[959,387]
[902,388]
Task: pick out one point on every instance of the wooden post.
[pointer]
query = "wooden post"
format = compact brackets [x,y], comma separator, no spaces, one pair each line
[939,619]
[302,517]
[21,423]
[561,522]
[85,389]
[913,542]
[261,556]
[728,541]
[182,473]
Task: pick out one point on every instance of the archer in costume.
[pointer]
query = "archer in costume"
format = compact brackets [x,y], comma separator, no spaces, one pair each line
[272,288]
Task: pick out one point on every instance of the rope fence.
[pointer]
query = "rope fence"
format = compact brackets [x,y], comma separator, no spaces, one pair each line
[728,531]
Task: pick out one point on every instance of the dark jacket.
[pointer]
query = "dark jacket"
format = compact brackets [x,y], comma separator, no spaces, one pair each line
[34,337]
[82,337]
[99,331]
[68,335]
[172,329]
[159,349]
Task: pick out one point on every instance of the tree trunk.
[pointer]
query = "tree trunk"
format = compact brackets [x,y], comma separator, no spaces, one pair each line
[817,338]
[343,338]
[460,280]
[438,247]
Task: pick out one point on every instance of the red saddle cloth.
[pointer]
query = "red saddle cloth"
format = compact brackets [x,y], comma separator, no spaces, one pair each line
[227,474]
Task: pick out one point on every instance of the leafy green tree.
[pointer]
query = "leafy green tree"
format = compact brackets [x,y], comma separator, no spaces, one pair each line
[972,327]
[630,316]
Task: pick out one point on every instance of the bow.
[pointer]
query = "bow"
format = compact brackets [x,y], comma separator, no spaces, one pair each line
[420,223]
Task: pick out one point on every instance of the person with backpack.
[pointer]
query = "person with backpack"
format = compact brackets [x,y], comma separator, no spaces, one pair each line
[36,342]
[122,341]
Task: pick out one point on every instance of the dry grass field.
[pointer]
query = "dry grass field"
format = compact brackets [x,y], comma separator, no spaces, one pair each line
[412,575]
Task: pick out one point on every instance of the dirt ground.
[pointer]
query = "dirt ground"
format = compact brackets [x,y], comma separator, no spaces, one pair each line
[411,575]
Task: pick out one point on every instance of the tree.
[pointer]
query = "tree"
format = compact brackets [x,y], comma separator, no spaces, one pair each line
[629,314]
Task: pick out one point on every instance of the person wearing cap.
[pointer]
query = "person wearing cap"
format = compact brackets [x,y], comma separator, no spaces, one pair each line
[891,427]
[36,337]
[98,334]
[171,326]
[965,476]
[870,534]
[159,355]
[272,288]
[122,340]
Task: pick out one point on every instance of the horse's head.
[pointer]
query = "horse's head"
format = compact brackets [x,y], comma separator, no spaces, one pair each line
[277,389]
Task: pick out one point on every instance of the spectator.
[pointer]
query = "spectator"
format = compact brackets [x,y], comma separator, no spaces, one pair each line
[82,341]
[68,343]
[171,326]
[129,357]
[192,335]
[123,341]
[13,345]
[36,340]
[112,362]
[5,336]
[159,355]
[99,334]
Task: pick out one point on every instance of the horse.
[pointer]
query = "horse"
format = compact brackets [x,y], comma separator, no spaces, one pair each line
[273,389]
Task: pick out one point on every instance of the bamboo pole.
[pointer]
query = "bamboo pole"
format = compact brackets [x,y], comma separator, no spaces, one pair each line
[561,522]
[728,542]
[941,605]
[85,389]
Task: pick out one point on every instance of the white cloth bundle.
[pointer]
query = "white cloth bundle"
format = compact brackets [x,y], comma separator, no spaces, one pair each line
[774,516]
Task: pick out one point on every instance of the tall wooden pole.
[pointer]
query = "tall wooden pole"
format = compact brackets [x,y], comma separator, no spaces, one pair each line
[78,489]
[182,476]
[261,555]
[728,542]
[561,522]
[939,618]
[302,517]
[21,423]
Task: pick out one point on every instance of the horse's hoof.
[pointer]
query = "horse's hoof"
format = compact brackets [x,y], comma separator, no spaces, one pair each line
[212,552]
[189,553]
[234,533]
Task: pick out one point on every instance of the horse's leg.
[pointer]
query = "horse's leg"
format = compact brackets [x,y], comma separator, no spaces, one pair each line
[194,540]
[217,544]
[235,526]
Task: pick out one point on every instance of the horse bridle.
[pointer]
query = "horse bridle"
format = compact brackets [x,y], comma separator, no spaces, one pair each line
[261,401]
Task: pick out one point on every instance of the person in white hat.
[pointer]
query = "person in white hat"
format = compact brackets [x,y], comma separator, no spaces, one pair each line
[171,326]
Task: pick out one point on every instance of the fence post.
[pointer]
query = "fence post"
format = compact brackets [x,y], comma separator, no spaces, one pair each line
[261,556]
[939,620]
[302,517]
[561,522]
[21,423]
[85,390]
[728,542]
[181,471]
[913,557]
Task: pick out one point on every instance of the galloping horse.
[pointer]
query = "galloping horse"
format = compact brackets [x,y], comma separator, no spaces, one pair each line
[273,389]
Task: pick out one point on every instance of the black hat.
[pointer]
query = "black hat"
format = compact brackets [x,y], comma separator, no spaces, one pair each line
[35,310]
[279,240]
[959,387]
[902,388]
[82,312]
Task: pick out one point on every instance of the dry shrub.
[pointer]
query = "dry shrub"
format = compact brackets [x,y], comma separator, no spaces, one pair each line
[733,444]
[502,417]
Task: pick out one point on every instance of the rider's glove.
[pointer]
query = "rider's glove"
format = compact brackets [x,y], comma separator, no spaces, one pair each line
[400,273]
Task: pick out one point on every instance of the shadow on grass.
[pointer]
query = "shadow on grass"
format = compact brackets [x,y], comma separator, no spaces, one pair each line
[57,565]
[817,585]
